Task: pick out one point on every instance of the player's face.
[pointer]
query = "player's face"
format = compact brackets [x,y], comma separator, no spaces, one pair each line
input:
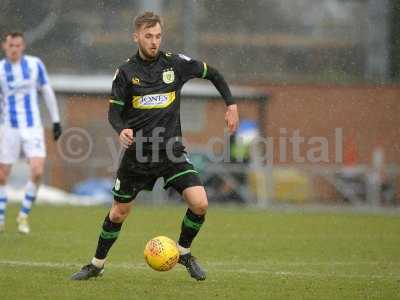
[149,40]
[14,48]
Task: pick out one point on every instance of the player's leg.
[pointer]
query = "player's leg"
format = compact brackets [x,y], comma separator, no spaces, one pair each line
[193,220]
[10,144]
[197,202]
[36,166]
[125,190]
[187,182]
[34,148]
[110,230]
[5,170]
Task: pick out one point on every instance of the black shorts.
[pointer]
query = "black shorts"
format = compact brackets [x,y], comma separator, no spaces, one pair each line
[134,176]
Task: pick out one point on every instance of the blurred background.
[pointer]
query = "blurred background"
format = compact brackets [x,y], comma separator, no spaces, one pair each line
[326,41]
[319,78]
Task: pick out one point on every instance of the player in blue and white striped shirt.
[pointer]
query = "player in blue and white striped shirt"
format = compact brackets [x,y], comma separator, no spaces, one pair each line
[21,77]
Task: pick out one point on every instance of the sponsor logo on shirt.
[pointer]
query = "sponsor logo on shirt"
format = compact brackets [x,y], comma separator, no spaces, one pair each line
[153,101]
[21,87]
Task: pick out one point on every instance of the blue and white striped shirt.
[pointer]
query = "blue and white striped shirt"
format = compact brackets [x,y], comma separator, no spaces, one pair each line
[19,85]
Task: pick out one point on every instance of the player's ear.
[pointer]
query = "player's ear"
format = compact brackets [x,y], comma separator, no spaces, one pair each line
[135,37]
[3,44]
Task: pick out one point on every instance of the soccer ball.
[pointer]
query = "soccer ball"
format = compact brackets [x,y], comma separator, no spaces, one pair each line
[161,253]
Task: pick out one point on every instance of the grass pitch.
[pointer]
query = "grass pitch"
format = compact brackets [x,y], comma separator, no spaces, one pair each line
[248,254]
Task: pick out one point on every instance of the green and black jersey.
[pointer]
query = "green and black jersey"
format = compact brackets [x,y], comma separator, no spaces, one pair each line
[145,95]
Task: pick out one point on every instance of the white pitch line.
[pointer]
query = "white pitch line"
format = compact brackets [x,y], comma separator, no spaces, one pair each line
[239,270]
[303,263]
[17,263]
[211,264]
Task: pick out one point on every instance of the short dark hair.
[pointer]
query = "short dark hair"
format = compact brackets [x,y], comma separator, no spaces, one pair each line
[12,34]
[147,19]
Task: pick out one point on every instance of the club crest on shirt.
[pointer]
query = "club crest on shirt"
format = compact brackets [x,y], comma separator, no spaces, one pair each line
[168,76]
[135,80]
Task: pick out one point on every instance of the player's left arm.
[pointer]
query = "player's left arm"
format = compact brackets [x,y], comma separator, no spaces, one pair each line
[191,68]
[1,104]
[231,114]
[1,107]
[50,99]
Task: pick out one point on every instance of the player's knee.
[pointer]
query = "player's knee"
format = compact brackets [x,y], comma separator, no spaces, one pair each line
[119,214]
[3,178]
[201,208]
[37,169]
[4,173]
[204,207]
[36,174]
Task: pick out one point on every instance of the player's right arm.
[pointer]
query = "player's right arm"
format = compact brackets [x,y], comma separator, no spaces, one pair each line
[118,100]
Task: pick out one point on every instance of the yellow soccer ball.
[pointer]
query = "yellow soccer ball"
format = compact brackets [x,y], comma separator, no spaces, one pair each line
[161,253]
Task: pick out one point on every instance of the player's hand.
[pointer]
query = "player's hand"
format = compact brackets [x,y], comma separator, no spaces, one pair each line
[232,118]
[57,131]
[126,137]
